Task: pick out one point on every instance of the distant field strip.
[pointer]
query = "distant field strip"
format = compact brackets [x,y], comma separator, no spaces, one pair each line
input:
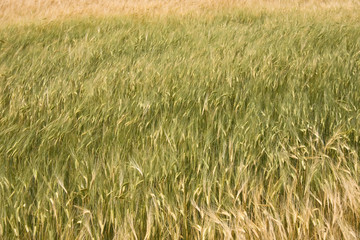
[30,10]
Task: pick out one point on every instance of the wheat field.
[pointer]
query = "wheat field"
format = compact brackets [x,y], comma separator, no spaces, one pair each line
[22,11]
[179,119]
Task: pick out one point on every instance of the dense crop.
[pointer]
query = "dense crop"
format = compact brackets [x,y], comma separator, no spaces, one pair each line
[238,125]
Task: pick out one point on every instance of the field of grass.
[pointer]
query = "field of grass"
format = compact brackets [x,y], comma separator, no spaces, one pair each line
[242,123]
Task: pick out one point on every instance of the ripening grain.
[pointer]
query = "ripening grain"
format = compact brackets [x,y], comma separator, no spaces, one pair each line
[233,124]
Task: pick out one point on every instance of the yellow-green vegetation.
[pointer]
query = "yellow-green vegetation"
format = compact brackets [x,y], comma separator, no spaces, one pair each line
[234,124]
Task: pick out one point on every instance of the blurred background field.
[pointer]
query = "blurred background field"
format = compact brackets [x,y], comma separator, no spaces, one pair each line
[22,11]
[179,120]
